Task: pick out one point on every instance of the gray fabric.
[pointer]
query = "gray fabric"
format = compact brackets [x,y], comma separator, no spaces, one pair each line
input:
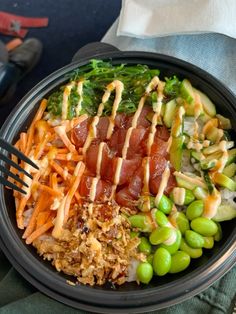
[214,53]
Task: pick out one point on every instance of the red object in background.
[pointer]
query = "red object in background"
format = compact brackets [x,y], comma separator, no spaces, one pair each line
[16,25]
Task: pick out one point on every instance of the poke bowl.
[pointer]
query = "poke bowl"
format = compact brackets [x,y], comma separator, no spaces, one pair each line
[136,156]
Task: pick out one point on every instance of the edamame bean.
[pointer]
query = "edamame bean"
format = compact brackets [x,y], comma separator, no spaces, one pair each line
[161,218]
[208,242]
[175,246]
[146,203]
[134,234]
[204,226]
[182,222]
[160,235]
[144,246]
[144,272]
[150,258]
[194,239]
[179,262]
[195,209]
[165,204]
[189,197]
[161,261]
[218,235]
[193,253]
[142,222]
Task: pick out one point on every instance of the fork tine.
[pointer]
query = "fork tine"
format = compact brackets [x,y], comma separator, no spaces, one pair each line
[11,149]
[15,177]
[11,185]
[13,164]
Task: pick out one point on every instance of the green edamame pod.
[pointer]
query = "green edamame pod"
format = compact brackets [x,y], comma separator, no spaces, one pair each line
[150,258]
[189,197]
[208,242]
[194,239]
[161,261]
[218,235]
[144,246]
[144,272]
[141,222]
[195,209]
[204,226]
[161,218]
[160,234]
[182,222]
[193,253]
[175,246]
[179,262]
[165,204]
[134,234]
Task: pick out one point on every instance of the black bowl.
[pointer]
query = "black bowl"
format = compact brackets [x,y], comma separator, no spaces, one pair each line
[162,291]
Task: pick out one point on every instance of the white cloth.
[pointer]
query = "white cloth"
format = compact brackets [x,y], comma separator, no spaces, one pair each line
[213,52]
[155,18]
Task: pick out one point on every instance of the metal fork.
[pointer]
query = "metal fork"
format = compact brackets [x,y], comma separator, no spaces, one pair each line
[8,162]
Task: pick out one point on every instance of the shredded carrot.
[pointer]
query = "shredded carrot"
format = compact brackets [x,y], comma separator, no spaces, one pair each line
[37,117]
[37,233]
[79,170]
[42,218]
[69,156]
[49,190]
[61,132]
[42,203]
[63,210]
[60,170]
[40,147]
[23,142]
[23,202]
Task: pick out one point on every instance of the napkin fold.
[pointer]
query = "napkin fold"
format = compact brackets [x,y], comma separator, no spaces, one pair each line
[156,18]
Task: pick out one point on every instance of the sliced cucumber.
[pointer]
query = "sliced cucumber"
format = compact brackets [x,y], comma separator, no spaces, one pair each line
[200,193]
[213,134]
[223,180]
[230,170]
[231,156]
[169,113]
[176,151]
[186,91]
[196,155]
[225,212]
[208,164]
[207,104]
[208,181]
[189,181]
[214,148]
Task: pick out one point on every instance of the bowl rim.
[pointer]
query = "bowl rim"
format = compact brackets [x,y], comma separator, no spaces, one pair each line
[220,262]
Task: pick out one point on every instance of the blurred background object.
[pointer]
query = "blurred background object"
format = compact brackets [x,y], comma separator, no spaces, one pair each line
[72,24]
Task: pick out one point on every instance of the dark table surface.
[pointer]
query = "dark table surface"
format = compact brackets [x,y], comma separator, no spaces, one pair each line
[72,24]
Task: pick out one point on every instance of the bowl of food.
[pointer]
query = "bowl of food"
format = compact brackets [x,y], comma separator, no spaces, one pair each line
[133,203]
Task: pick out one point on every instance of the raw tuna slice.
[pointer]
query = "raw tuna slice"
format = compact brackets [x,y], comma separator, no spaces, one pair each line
[80,133]
[103,188]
